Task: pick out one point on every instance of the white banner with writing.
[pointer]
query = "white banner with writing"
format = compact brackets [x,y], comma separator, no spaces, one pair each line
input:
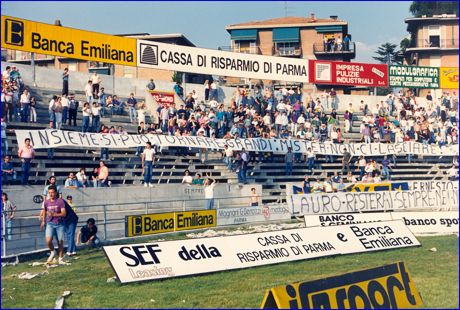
[243,215]
[214,62]
[440,222]
[152,261]
[345,218]
[51,138]
[324,203]
[429,222]
[433,185]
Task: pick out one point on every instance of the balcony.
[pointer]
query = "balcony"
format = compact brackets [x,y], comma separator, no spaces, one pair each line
[322,49]
[433,44]
[287,51]
[246,50]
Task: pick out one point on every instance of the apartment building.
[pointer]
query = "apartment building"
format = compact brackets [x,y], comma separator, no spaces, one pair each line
[299,37]
[433,42]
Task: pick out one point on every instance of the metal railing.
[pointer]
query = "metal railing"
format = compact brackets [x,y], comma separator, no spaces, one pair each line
[25,235]
[427,43]
[245,50]
[287,51]
[342,48]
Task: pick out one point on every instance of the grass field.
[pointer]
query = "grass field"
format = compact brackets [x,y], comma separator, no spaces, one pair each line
[435,275]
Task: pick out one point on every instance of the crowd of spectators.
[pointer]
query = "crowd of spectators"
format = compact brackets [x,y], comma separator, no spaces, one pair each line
[259,112]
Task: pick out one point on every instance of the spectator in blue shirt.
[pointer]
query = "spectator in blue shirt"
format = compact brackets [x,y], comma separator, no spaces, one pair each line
[8,172]
[386,168]
[132,107]
[179,90]
[117,106]
[71,181]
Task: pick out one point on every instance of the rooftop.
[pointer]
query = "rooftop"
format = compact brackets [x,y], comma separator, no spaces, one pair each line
[442,17]
[159,37]
[289,21]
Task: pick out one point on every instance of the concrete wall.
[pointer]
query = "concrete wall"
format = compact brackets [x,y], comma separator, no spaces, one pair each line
[111,224]
[162,196]
[52,79]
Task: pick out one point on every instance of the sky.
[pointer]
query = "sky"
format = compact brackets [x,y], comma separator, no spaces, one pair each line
[370,23]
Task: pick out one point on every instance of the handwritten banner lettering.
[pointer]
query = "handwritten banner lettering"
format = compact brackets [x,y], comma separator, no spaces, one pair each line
[51,138]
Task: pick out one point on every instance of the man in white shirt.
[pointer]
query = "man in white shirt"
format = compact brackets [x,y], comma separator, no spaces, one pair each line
[96,81]
[318,187]
[89,92]
[213,103]
[452,173]
[6,73]
[164,116]
[328,185]
[51,107]
[148,156]
[25,101]
[209,185]
[187,179]
[228,157]
[65,108]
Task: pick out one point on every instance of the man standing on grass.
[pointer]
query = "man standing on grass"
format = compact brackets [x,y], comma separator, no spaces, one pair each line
[52,215]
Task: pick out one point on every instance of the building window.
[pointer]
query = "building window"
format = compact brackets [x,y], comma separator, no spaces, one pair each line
[128,72]
[249,47]
[72,67]
[287,48]
[434,36]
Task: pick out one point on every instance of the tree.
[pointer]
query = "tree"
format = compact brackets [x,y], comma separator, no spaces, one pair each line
[389,54]
[404,44]
[177,77]
[430,8]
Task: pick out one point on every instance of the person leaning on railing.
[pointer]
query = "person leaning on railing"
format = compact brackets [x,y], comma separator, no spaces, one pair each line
[209,185]
[8,211]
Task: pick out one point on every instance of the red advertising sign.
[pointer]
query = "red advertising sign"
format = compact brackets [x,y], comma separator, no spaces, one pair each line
[348,73]
[163,97]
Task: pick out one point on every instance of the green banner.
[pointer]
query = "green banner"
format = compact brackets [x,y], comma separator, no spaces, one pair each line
[413,77]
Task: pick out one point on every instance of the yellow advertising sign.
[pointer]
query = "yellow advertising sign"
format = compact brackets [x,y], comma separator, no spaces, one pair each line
[449,77]
[385,287]
[29,36]
[196,219]
[149,224]
[378,187]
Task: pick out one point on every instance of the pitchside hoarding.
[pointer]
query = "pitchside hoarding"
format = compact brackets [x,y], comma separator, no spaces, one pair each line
[385,287]
[449,77]
[40,38]
[153,261]
[157,223]
[413,77]
[440,222]
[348,73]
[244,215]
